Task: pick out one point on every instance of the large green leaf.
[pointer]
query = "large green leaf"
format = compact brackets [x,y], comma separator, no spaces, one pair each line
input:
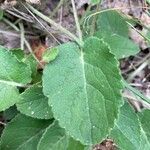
[112,27]
[127,131]
[22,133]
[34,103]
[9,95]
[83,87]
[55,138]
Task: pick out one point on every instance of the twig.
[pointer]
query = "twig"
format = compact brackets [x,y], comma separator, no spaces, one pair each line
[41,24]
[57,7]
[21,36]
[56,25]
[30,50]
[2,123]
[10,24]
[77,21]
[138,70]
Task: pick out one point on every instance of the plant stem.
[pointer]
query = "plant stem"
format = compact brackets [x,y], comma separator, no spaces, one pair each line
[21,36]
[77,21]
[41,24]
[57,7]
[10,24]
[13,83]
[56,25]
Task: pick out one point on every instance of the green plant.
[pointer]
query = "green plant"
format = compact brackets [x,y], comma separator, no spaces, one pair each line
[78,103]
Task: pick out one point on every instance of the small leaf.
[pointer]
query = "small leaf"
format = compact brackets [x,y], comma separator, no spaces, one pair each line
[84,90]
[54,138]
[34,104]
[113,23]
[120,46]
[50,54]
[22,133]
[12,69]
[9,95]
[112,27]
[127,131]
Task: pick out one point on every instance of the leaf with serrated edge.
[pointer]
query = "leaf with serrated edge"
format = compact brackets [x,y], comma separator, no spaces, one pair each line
[34,103]
[112,27]
[144,118]
[84,90]
[127,132]
[54,138]
[22,133]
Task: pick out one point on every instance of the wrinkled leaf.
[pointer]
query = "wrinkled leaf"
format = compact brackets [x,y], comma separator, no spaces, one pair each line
[84,90]
[127,131]
[55,138]
[22,133]
[34,104]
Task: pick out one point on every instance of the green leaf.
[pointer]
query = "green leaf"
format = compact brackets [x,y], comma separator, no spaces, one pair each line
[83,87]
[54,138]
[18,53]
[145,143]
[12,69]
[113,23]
[22,133]
[120,46]
[1,14]
[50,54]
[112,27]
[10,113]
[127,131]
[34,103]
[95,1]
[144,118]
[32,63]
[13,73]
[27,59]
[9,95]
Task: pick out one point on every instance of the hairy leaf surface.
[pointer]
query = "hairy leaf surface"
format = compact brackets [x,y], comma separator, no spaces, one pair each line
[55,138]
[112,27]
[83,87]
[22,133]
[34,104]
[127,131]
